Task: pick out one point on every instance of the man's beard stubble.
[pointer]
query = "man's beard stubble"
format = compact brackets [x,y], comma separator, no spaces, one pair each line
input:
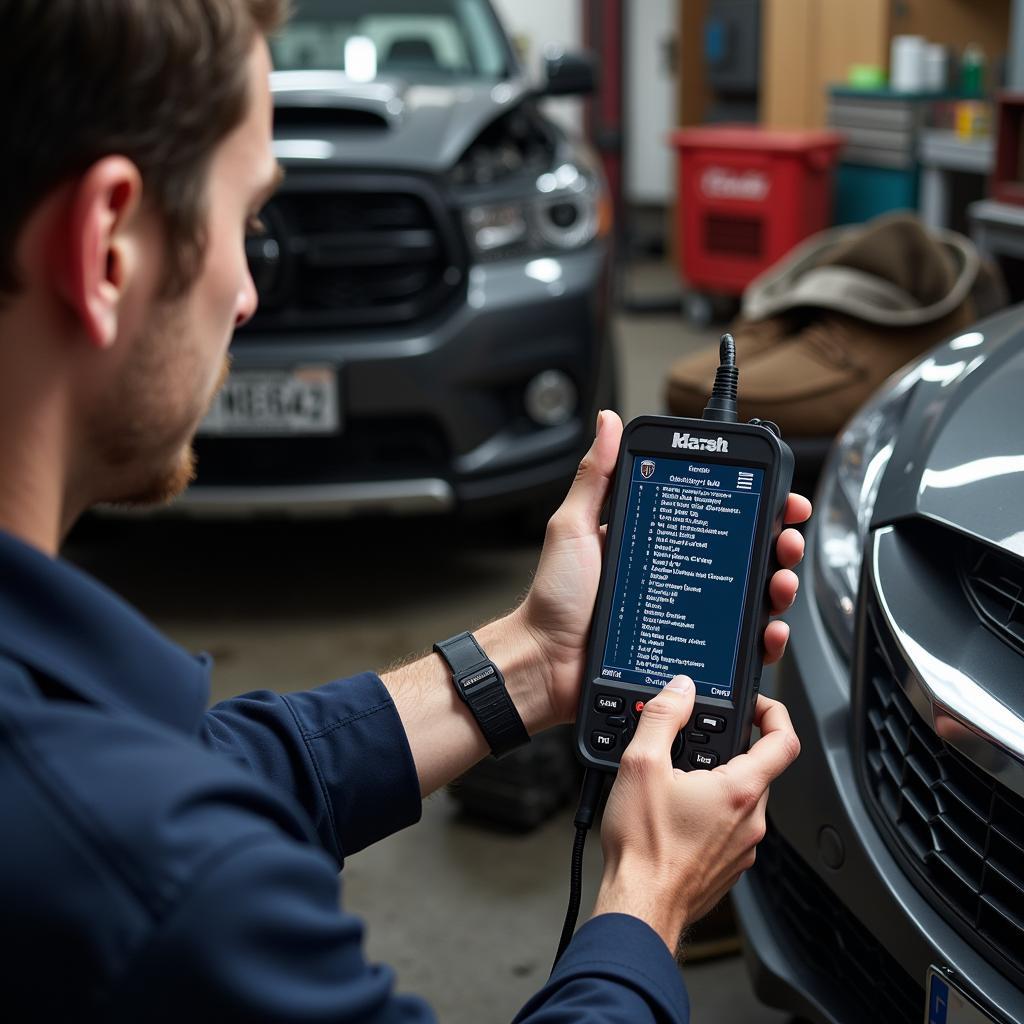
[150,458]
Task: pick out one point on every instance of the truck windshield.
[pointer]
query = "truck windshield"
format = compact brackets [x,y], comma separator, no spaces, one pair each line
[417,40]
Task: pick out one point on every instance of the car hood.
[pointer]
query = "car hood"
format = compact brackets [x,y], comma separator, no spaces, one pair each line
[959,456]
[323,117]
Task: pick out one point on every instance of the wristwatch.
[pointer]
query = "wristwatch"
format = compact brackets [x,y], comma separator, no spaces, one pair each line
[480,684]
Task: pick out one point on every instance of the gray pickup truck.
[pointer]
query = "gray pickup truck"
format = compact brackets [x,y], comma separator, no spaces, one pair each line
[433,331]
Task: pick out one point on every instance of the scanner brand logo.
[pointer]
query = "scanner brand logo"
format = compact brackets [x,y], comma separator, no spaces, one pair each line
[647,469]
[700,444]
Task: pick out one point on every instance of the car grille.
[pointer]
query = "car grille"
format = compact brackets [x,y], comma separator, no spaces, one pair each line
[961,831]
[868,982]
[369,448]
[350,251]
[995,585]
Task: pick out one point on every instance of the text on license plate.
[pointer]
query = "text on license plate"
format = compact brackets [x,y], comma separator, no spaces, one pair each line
[300,401]
[947,1004]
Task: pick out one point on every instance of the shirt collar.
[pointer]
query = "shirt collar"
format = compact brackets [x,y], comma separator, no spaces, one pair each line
[63,624]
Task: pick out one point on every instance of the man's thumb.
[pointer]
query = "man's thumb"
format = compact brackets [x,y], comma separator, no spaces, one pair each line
[582,504]
[664,716]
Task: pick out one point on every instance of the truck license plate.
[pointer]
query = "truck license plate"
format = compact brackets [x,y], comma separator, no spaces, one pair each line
[947,1004]
[276,402]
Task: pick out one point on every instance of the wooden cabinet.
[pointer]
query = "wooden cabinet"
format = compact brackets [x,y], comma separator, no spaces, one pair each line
[810,44]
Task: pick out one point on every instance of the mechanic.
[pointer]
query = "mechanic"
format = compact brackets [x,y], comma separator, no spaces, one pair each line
[163,862]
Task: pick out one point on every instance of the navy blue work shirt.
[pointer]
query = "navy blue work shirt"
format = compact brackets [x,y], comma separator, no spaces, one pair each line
[163,862]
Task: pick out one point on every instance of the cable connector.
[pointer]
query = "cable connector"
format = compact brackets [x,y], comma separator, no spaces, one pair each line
[722,403]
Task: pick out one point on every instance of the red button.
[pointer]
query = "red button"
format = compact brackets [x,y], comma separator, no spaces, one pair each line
[639,706]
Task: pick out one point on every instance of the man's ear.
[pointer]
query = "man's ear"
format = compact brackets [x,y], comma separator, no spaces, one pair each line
[94,252]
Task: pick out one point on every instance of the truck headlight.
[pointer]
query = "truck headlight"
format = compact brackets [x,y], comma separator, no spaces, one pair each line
[846,499]
[567,209]
[497,227]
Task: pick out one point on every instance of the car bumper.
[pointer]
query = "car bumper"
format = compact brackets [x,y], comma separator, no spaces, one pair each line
[433,418]
[834,928]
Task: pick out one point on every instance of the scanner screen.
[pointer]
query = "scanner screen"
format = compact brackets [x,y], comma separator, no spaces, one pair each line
[683,572]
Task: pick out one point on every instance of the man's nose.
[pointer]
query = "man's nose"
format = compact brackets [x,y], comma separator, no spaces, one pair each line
[248,301]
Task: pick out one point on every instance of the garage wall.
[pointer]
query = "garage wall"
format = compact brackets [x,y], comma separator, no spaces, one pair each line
[537,23]
[650,101]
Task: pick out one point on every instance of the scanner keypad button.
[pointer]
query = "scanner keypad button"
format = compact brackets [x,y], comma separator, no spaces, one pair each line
[703,759]
[710,723]
[603,740]
[607,704]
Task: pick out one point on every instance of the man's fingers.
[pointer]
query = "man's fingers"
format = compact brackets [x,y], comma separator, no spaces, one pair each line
[798,510]
[782,588]
[771,714]
[776,636]
[789,549]
[662,719]
[582,505]
[762,804]
[773,753]
[766,760]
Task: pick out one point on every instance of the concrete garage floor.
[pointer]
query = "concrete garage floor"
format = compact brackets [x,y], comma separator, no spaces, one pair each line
[288,607]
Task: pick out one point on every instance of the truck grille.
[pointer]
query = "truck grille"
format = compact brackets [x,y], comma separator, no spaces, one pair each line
[995,584]
[354,251]
[868,982]
[961,831]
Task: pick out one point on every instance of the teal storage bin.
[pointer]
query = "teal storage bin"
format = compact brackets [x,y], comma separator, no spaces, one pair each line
[878,167]
[865,192]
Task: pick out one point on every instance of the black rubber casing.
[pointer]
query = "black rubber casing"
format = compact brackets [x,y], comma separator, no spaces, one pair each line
[750,444]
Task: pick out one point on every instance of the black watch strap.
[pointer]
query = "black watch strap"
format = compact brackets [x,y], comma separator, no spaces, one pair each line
[481,685]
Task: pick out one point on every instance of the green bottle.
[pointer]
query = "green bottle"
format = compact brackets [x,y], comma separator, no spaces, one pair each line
[972,71]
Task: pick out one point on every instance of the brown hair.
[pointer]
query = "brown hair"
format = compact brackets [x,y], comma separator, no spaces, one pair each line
[160,82]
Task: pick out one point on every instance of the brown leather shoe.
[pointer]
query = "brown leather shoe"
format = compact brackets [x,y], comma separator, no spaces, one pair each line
[809,380]
[839,315]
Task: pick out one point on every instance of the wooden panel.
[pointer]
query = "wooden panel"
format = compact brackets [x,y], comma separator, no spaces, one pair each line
[955,23]
[808,45]
[694,94]
[789,28]
[849,33]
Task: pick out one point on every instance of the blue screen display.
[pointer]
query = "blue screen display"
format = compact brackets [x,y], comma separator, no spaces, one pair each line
[681,581]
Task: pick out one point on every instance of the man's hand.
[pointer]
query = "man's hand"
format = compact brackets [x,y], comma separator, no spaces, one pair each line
[675,842]
[558,608]
[541,646]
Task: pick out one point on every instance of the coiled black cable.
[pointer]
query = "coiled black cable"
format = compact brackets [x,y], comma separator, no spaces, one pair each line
[590,800]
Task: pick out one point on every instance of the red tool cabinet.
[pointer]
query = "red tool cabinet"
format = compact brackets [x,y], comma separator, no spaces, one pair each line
[746,196]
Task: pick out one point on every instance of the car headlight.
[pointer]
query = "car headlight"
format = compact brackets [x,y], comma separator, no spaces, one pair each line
[566,209]
[846,499]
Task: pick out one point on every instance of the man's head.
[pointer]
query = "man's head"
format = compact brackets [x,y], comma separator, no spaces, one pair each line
[137,137]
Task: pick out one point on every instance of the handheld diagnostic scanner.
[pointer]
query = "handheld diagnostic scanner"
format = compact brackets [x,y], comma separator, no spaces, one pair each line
[696,509]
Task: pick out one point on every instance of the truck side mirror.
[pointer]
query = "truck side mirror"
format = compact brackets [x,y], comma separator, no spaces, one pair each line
[570,74]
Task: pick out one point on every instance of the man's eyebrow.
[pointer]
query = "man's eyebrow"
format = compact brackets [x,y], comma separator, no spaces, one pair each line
[272,186]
